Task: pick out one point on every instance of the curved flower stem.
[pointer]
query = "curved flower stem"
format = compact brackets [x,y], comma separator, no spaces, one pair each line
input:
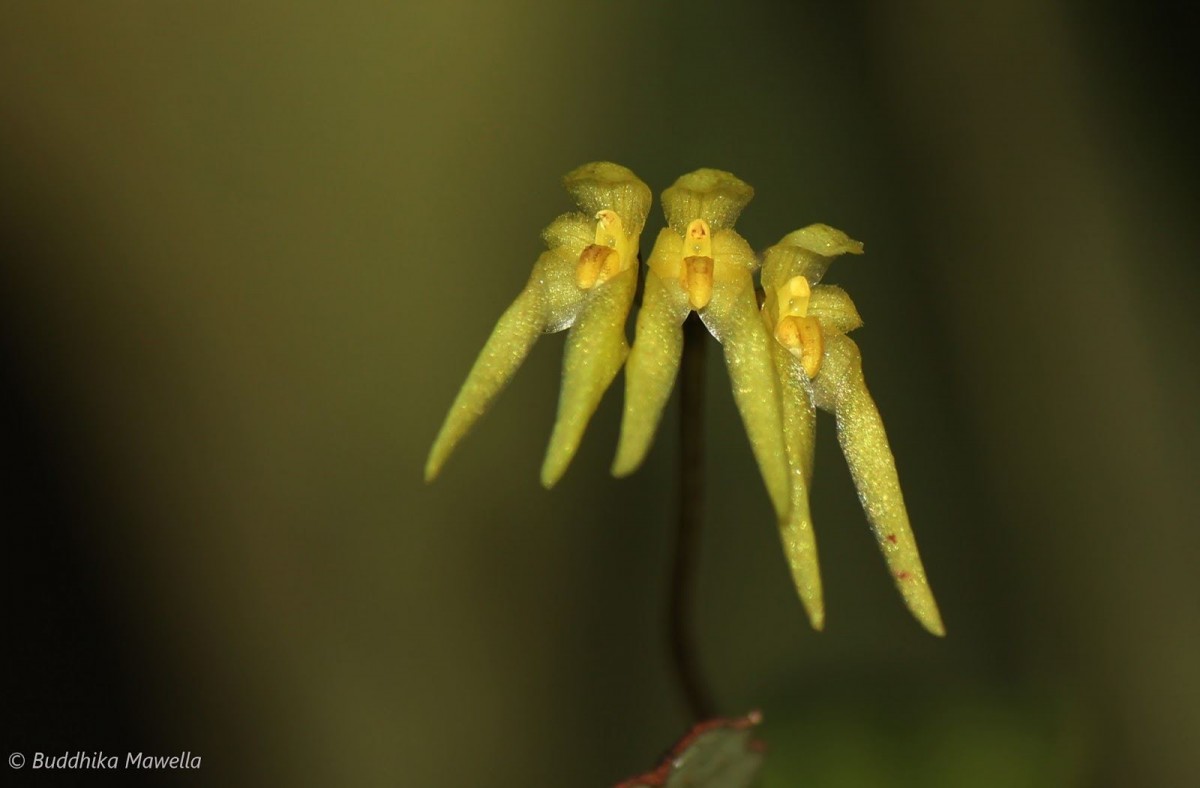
[691,502]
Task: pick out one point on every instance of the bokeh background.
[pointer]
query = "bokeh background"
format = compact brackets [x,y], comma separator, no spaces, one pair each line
[251,248]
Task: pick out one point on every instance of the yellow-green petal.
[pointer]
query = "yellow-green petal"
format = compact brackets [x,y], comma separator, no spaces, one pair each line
[651,368]
[595,350]
[733,318]
[840,388]
[571,230]
[516,331]
[733,254]
[796,530]
[833,308]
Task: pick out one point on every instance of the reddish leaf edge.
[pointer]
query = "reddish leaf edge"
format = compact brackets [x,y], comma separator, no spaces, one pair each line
[659,775]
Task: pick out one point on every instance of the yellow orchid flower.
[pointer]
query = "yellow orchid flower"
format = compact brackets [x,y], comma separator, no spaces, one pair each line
[785,359]
[817,364]
[586,282]
[700,263]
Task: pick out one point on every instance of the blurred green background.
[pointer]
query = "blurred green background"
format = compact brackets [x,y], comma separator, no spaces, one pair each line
[251,249]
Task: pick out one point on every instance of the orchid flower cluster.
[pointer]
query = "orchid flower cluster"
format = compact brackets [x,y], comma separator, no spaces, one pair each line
[785,358]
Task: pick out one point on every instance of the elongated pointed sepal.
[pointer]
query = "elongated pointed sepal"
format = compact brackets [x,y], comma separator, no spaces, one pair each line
[800,550]
[733,318]
[796,530]
[650,370]
[595,350]
[508,345]
[574,282]
[840,388]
